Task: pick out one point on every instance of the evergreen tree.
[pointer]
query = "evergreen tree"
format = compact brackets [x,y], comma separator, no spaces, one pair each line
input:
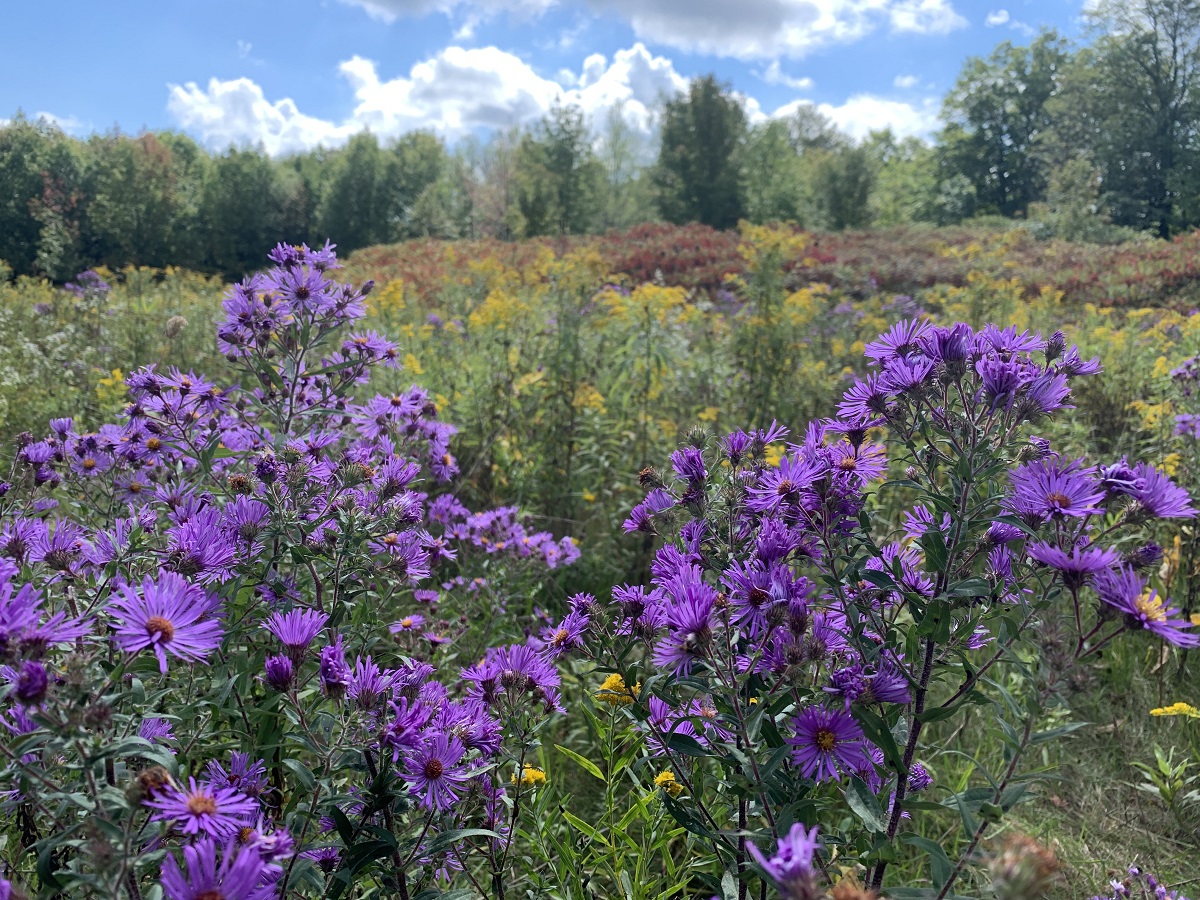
[697,173]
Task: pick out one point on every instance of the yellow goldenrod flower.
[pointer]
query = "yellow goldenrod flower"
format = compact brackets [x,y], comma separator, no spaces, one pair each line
[613,690]
[531,776]
[1177,709]
[666,781]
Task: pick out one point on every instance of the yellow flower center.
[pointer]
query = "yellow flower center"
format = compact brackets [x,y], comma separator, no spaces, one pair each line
[825,740]
[160,627]
[1150,605]
[202,805]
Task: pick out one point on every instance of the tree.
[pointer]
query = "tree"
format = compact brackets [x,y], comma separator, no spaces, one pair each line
[906,183]
[626,197]
[24,150]
[131,201]
[243,203]
[1140,117]
[995,114]
[417,162]
[697,170]
[771,185]
[490,170]
[558,176]
[355,208]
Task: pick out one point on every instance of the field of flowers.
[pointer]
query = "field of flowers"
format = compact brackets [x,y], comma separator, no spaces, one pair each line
[671,563]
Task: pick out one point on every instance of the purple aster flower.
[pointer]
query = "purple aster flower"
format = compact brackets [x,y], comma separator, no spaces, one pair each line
[567,635]
[825,739]
[201,547]
[30,683]
[1045,394]
[1003,533]
[1003,379]
[868,398]
[1052,488]
[1188,424]
[1145,556]
[788,488]
[792,868]
[368,683]
[59,549]
[664,721]
[848,683]
[244,775]
[901,340]
[1159,496]
[238,875]
[1124,589]
[1007,341]
[1077,566]
[918,778]
[903,375]
[866,462]
[334,672]
[327,859]
[435,772]
[278,672]
[512,673]
[641,517]
[949,344]
[168,616]
[1072,365]
[1120,478]
[688,464]
[296,630]
[408,624]
[156,730]
[887,684]
[245,517]
[689,628]
[272,843]
[203,808]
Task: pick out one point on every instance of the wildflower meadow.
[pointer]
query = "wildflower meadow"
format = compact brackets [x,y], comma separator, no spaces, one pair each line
[847,566]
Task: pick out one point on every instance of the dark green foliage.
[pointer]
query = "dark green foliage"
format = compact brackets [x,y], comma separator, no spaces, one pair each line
[994,115]
[697,173]
[557,175]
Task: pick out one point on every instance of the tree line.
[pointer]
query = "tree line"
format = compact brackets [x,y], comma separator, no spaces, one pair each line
[1090,142]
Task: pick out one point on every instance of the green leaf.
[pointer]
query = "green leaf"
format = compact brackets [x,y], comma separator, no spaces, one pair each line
[687,745]
[448,838]
[584,827]
[586,764]
[302,773]
[940,867]
[866,806]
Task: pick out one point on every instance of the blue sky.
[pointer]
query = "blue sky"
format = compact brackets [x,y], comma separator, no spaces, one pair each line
[291,76]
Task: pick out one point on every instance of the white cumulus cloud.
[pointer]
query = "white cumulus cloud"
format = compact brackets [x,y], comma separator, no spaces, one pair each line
[996,17]
[905,81]
[925,17]
[864,113]
[766,29]
[773,74]
[454,92]
[746,29]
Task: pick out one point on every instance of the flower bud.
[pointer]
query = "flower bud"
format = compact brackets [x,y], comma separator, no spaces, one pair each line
[1023,868]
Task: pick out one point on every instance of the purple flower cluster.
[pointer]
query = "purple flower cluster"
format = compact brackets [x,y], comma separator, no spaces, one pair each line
[1139,885]
[213,524]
